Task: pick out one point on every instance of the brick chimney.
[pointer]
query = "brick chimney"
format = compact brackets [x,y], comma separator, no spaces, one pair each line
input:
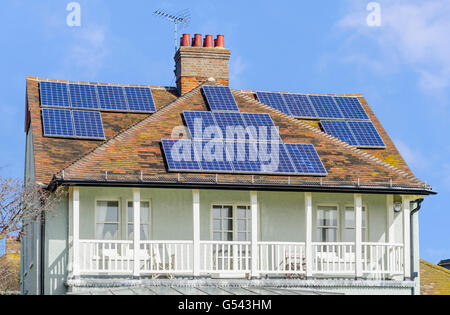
[197,62]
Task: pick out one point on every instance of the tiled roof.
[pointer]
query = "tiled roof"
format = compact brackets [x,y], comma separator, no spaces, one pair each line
[132,149]
[434,280]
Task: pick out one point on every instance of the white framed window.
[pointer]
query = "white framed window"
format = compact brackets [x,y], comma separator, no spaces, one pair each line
[107,220]
[327,224]
[231,223]
[145,220]
[349,224]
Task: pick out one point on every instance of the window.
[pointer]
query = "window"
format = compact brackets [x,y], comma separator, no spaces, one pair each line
[327,223]
[349,230]
[145,220]
[107,220]
[231,223]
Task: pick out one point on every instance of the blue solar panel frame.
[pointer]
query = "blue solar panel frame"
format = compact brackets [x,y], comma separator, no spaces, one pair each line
[198,122]
[339,129]
[214,157]
[231,122]
[275,159]
[84,96]
[274,100]
[306,160]
[299,105]
[325,107]
[220,98]
[112,98]
[366,134]
[351,108]
[244,156]
[255,121]
[57,123]
[88,124]
[183,161]
[54,94]
[140,99]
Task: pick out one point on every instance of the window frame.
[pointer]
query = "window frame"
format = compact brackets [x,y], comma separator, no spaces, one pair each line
[234,206]
[366,234]
[150,229]
[338,221]
[119,216]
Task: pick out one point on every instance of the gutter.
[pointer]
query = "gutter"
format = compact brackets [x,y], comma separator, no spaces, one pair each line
[256,187]
[419,206]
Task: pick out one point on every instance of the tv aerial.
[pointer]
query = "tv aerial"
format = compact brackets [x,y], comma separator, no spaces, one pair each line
[181,18]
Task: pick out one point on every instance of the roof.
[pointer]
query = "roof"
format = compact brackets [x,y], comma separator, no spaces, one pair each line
[434,280]
[132,150]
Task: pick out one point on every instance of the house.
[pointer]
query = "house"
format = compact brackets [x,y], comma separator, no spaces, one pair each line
[434,279]
[305,191]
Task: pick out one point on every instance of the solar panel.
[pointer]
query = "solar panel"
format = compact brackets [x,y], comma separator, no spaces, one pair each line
[214,158]
[231,124]
[340,130]
[351,108]
[57,122]
[244,156]
[220,98]
[201,125]
[325,106]
[112,98]
[275,159]
[83,96]
[140,99]
[88,124]
[366,134]
[260,127]
[181,156]
[305,158]
[274,100]
[299,105]
[54,94]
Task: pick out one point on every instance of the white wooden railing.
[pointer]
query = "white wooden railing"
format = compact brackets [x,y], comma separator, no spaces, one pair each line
[225,257]
[274,258]
[382,259]
[333,258]
[98,257]
[282,258]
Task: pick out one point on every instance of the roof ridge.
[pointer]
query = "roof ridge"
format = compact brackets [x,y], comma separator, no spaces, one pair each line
[337,141]
[434,266]
[135,125]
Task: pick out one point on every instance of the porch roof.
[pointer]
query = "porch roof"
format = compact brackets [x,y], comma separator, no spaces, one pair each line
[132,151]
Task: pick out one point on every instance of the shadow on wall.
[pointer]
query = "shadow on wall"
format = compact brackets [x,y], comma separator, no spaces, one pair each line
[57,275]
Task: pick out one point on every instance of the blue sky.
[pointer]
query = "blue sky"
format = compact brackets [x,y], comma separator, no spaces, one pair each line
[401,67]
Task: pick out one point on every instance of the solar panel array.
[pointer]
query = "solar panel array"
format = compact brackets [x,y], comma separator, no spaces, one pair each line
[231,126]
[315,106]
[242,157]
[66,123]
[97,97]
[220,98]
[358,133]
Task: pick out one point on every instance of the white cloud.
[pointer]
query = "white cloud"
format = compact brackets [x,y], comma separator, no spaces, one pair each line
[414,33]
[237,68]
[414,158]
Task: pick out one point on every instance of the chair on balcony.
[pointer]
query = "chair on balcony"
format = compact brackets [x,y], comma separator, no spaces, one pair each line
[294,261]
[163,261]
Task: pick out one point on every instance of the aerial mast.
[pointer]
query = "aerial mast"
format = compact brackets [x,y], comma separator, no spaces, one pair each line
[181,18]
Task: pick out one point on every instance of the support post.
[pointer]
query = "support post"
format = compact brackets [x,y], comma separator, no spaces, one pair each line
[76,231]
[406,238]
[390,236]
[308,238]
[358,236]
[254,234]
[136,231]
[196,232]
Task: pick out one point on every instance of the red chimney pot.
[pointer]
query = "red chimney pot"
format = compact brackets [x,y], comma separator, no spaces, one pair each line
[208,42]
[220,41]
[186,40]
[197,40]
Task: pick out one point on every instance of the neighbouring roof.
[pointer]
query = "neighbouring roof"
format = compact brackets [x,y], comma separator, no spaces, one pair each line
[434,280]
[132,149]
